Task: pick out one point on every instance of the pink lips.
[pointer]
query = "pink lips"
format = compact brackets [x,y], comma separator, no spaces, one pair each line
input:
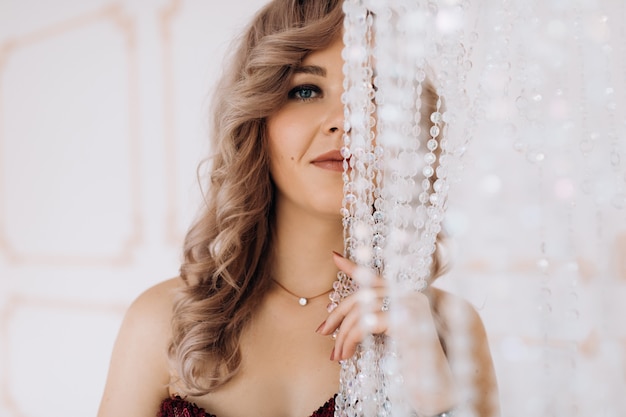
[332,161]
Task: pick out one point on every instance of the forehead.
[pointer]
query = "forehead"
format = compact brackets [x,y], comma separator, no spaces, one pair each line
[328,56]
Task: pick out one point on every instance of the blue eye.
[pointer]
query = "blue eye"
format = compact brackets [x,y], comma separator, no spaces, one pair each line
[304,92]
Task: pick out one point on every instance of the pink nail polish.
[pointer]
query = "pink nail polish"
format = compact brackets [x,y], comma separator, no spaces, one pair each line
[338,254]
[319,329]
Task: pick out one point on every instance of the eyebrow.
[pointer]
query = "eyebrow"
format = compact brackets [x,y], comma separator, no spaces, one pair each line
[310,69]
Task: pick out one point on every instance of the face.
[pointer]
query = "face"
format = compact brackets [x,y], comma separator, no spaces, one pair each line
[305,136]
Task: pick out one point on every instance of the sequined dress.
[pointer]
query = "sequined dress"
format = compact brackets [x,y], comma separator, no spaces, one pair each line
[177,407]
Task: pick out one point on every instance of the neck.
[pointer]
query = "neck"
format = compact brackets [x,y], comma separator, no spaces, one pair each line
[303,250]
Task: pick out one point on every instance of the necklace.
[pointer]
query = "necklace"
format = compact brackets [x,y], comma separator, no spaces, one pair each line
[303,301]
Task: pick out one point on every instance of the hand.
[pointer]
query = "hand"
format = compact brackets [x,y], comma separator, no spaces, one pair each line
[362,313]
[358,315]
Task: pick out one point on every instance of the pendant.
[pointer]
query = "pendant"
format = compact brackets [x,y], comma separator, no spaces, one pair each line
[303,301]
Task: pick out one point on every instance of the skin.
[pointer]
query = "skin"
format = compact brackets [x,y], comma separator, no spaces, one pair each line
[290,360]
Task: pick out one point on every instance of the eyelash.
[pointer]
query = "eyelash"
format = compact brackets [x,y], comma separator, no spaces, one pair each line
[294,92]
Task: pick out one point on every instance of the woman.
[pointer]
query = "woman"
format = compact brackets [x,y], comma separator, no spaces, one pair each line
[245,330]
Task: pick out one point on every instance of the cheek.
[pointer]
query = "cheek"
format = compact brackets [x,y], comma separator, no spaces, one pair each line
[283,135]
[280,154]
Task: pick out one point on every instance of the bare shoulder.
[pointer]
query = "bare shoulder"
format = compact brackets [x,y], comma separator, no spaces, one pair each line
[454,309]
[139,370]
[153,308]
[463,328]
[459,321]
[148,319]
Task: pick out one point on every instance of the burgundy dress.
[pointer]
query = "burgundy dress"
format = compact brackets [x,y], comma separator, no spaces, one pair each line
[177,407]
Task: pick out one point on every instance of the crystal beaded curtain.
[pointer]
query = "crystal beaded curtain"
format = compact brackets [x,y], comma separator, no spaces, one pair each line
[429,82]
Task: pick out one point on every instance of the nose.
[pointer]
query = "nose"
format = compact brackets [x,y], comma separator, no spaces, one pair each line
[333,122]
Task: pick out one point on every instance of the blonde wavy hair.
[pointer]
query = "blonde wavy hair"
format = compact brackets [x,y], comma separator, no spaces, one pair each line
[228,250]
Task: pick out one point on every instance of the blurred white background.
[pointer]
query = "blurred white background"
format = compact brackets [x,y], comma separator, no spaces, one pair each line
[103,120]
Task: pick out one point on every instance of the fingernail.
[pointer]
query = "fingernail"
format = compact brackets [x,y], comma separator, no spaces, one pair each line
[319,329]
[332,355]
[338,254]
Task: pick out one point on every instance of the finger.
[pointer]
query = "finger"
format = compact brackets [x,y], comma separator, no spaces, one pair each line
[366,299]
[348,331]
[349,344]
[355,333]
[360,274]
[336,317]
[356,324]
